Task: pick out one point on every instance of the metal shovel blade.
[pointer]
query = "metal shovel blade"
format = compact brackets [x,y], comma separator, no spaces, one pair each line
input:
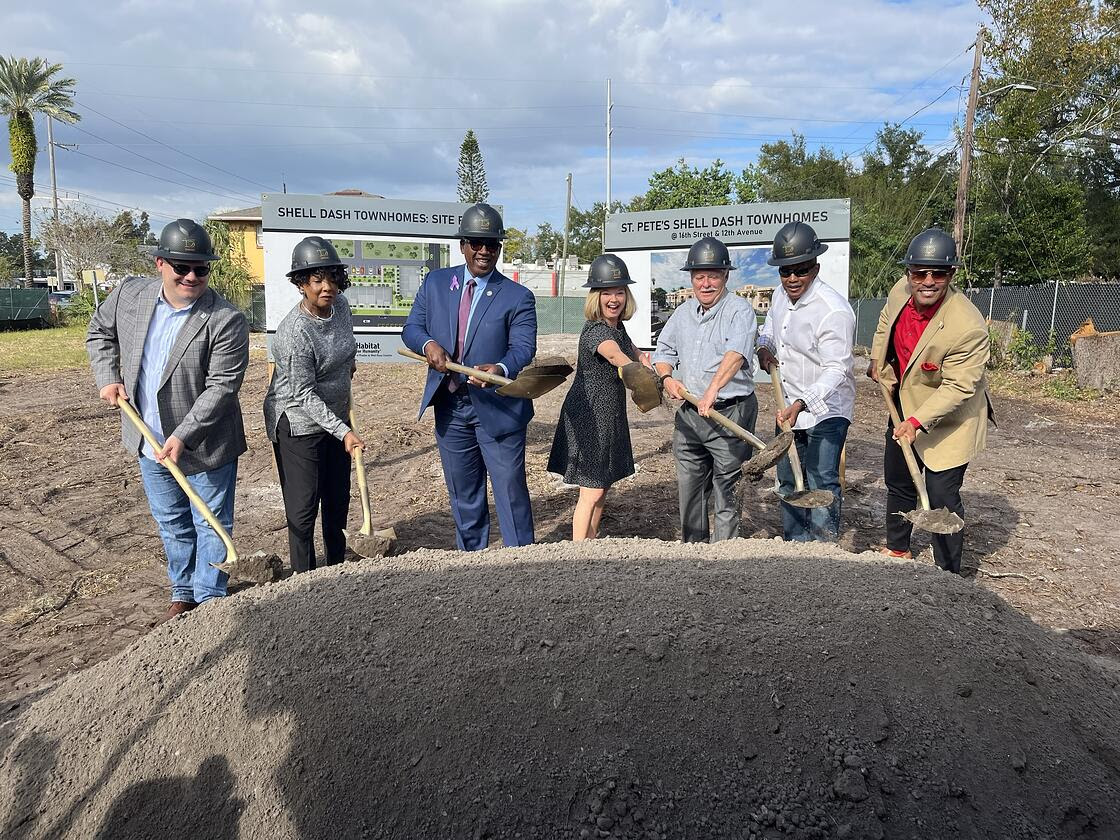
[530,384]
[770,455]
[939,521]
[550,364]
[642,384]
[378,544]
[810,498]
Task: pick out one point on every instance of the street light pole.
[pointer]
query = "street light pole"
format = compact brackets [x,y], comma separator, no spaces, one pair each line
[966,143]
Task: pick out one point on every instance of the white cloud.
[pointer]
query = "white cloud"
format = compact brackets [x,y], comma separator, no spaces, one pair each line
[380,100]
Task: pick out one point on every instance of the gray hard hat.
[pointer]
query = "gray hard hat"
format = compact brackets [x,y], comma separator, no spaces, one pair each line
[185,239]
[482,222]
[708,252]
[314,252]
[607,272]
[795,243]
[932,247]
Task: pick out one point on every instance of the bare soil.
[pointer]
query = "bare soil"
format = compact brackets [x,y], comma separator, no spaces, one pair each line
[473,696]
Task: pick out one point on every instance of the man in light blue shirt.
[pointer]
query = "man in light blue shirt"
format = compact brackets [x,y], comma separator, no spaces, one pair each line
[703,349]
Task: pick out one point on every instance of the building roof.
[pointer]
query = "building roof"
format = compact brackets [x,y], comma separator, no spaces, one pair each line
[253,214]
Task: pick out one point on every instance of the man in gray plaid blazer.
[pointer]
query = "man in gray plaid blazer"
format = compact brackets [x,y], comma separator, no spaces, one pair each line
[178,351]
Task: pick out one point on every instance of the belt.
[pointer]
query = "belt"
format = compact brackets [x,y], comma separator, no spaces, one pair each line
[723,405]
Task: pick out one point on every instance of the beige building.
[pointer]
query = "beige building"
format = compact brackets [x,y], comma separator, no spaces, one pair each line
[759,296]
[678,296]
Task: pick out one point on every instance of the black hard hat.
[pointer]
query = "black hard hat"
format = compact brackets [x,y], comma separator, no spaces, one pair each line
[314,252]
[708,252]
[795,243]
[481,222]
[607,271]
[185,239]
[932,247]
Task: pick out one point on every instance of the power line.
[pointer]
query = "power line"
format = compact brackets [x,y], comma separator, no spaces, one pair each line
[179,151]
[156,162]
[758,116]
[150,175]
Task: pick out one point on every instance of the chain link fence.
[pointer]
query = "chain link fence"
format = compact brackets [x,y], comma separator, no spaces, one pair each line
[1058,308]
[559,315]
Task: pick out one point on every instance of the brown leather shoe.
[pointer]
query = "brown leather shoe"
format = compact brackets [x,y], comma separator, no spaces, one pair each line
[178,608]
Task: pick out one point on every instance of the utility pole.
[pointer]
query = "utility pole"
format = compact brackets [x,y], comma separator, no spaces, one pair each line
[966,143]
[54,198]
[564,252]
[607,209]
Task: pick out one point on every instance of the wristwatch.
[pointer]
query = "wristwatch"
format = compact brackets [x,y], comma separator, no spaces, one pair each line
[663,377]
[804,405]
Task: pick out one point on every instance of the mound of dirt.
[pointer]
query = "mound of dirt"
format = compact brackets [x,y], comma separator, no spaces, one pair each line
[621,688]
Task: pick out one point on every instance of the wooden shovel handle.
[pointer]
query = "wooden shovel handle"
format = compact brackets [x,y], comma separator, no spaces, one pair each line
[196,500]
[492,378]
[907,451]
[363,488]
[730,425]
[794,458]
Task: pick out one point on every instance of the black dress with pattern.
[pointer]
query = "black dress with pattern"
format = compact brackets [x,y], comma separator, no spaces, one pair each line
[592,443]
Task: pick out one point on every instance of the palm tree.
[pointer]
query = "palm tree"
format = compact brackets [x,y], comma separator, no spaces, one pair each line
[26,89]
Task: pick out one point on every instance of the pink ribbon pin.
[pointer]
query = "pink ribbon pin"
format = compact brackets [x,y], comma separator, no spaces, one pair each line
[454,282]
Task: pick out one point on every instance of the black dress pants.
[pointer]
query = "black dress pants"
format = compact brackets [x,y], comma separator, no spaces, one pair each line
[944,490]
[314,470]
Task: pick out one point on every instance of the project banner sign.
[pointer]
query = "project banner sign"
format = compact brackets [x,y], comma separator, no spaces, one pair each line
[388,247]
[654,245]
[733,224]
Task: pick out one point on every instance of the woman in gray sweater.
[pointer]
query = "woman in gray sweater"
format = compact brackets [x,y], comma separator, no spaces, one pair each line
[308,402]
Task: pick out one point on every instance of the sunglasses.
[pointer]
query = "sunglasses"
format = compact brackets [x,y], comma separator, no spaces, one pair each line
[182,269]
[484,244]
[935,273]
[799,270]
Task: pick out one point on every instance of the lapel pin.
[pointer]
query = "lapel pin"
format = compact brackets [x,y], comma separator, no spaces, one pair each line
[489,292]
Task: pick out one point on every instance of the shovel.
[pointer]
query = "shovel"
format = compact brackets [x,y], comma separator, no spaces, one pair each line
[531,383]
[196,500]
[643,385]
[768,453]
[365,542]
[940,521]
[800,497]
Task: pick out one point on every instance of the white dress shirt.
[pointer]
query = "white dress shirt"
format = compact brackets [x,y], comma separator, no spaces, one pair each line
[812,341]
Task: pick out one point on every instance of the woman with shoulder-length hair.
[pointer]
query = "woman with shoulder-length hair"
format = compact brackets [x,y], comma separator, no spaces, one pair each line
[308,403]
[592,444]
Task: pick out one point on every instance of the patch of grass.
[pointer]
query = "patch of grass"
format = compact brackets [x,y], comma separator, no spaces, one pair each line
[32,351]
[1064,387]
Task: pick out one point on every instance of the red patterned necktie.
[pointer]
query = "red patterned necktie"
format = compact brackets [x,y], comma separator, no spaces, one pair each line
[464,316]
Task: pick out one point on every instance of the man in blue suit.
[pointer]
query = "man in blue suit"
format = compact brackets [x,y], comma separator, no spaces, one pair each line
[475,315]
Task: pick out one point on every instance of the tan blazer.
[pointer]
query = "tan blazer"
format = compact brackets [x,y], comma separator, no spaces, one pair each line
[944,386]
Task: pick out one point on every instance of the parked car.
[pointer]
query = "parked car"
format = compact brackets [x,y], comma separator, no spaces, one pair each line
[60,300]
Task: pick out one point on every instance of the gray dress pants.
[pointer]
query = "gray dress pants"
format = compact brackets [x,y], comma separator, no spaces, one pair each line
[709,464]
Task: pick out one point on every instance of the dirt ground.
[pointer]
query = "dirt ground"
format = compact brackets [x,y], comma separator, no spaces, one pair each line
[82,573]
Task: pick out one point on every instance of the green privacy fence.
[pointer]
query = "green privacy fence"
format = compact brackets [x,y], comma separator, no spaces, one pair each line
[559,315]
[23,306]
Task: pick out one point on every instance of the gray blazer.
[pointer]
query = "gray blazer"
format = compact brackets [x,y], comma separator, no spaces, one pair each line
[198,391]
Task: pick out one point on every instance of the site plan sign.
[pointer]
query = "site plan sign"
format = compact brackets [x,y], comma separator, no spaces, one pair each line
[654,244]
[389,247]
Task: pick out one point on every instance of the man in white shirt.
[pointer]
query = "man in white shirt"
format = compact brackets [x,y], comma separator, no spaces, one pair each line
[809,331]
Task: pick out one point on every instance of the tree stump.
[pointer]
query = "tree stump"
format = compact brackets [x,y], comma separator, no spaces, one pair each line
[1096,357]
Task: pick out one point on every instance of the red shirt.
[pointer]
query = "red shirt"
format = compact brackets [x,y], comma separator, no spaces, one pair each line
[907,333]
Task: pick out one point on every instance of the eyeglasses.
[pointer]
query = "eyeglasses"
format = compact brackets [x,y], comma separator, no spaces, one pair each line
[935,273]
[800,270]
[183,269]
[484,244]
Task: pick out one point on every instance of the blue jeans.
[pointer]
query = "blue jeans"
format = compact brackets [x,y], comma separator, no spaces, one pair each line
[819,449]
[191,545]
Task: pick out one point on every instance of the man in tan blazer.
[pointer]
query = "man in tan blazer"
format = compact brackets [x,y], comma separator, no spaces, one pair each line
[930,349]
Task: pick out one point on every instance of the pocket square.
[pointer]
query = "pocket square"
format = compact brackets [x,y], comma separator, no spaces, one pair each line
[929,366]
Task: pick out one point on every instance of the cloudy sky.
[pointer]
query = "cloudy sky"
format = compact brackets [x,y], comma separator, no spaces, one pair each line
[191,108]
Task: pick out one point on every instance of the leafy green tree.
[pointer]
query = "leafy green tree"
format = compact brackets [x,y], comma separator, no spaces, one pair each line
[230,275]
[686,186]
[7,269]
[547,242]
[471,171]
[660,298]
[516,246]
[787,172]
[27,88]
